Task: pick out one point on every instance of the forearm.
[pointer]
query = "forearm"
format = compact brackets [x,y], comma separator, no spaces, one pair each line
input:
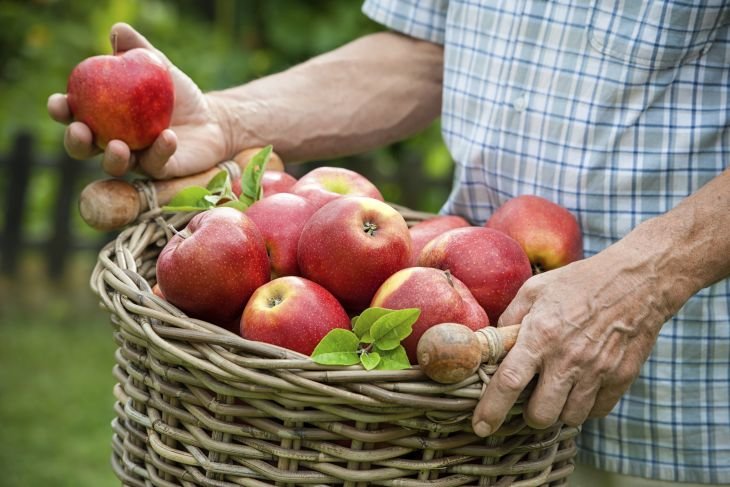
[688,248]
[371,92]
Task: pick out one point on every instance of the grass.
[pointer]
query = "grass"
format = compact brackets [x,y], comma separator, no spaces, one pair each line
[56,357]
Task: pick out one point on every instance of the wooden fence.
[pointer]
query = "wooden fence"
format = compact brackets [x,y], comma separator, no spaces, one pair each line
[16,171]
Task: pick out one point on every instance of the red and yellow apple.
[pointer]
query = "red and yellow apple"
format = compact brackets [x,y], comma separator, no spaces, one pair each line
[547,232]
[275,182]
[425,231]
[441,297]
[128,96]
[211,268]
[351,246]
[324,184]
[492,265]
[293,313]
[281,218]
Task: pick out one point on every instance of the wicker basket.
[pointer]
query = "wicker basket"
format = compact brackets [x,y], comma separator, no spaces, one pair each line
[197,405]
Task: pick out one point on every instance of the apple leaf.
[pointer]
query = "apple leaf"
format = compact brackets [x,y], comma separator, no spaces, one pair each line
[235,204]
[192,198]
[394,359]
[369,360]
[219,182]
[338,347]
[251,178]
[388,330]
[361,326]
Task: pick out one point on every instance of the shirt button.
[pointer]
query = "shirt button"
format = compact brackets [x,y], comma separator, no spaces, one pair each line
[520,103]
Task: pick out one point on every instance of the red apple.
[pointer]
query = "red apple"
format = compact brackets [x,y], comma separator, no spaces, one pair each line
[351,245]
[324,184]
[127,96]
[492,265]
[547,232]
[211,268]
[425,231]
[275,182]
[281,218]
[292,312]
[441,297]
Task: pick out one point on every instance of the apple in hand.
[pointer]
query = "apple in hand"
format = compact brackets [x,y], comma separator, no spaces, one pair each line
[281,218]
[324,184]
[441,297]
[211,268]
[351,245]
[492,265]
[425,231]
[293,313]
[548,233]
[128,96]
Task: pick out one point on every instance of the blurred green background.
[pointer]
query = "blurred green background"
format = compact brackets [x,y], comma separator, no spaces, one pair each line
[56,351]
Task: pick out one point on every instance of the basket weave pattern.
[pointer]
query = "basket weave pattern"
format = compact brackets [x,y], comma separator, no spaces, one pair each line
[200,406]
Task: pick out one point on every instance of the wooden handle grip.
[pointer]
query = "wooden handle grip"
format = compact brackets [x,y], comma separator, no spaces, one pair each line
[109,204]
[449,353]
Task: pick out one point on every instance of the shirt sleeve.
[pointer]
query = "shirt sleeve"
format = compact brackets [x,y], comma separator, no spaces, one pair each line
[423,19]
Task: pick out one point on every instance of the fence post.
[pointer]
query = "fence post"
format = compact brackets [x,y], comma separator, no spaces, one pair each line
[18,169]
[59,245]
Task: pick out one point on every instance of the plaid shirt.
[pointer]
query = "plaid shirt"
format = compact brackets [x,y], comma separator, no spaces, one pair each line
[616,110]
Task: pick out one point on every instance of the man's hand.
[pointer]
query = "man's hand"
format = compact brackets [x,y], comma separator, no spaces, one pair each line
[195,141]
[587,328]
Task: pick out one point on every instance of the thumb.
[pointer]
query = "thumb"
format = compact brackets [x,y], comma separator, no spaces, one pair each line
[123,37]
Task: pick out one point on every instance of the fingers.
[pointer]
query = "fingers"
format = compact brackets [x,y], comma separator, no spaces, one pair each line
[118,159]
[548,399]
[58,108]
[156,160]
[123,37]
[580,402]
[510,379]
[606,400]
[79,141]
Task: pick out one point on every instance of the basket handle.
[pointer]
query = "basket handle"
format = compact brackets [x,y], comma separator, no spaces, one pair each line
[449,353]
[109,204]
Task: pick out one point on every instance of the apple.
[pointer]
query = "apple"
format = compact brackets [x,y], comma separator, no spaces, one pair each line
[211,268]
[275,182]
[441,297]
[547,232]
[324,184]
[128,96]
[281,218]
[292,312]
[351,246]
[425,231]
[492,265]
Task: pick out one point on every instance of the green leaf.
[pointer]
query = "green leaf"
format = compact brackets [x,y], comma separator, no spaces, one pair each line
[369,360]
[192,198]
[239,205]
[252,174]
[219,182]
[395,359]
[338,347]
[365,321]
[390,329]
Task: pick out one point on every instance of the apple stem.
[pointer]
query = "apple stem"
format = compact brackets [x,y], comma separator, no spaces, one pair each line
[448,277]
[537,269]
[369,228]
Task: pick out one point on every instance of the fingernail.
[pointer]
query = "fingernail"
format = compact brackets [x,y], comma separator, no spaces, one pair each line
[482,429]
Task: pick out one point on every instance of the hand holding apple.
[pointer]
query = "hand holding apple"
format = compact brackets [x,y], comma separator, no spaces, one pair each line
[195,141]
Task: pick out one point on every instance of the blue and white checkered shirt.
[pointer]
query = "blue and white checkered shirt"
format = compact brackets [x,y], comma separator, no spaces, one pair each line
[616,110]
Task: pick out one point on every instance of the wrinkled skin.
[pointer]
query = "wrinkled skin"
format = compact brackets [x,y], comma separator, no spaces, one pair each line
[194,142]
[587,328]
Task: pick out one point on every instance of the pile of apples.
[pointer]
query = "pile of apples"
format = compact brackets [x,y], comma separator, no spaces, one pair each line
[316,251]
